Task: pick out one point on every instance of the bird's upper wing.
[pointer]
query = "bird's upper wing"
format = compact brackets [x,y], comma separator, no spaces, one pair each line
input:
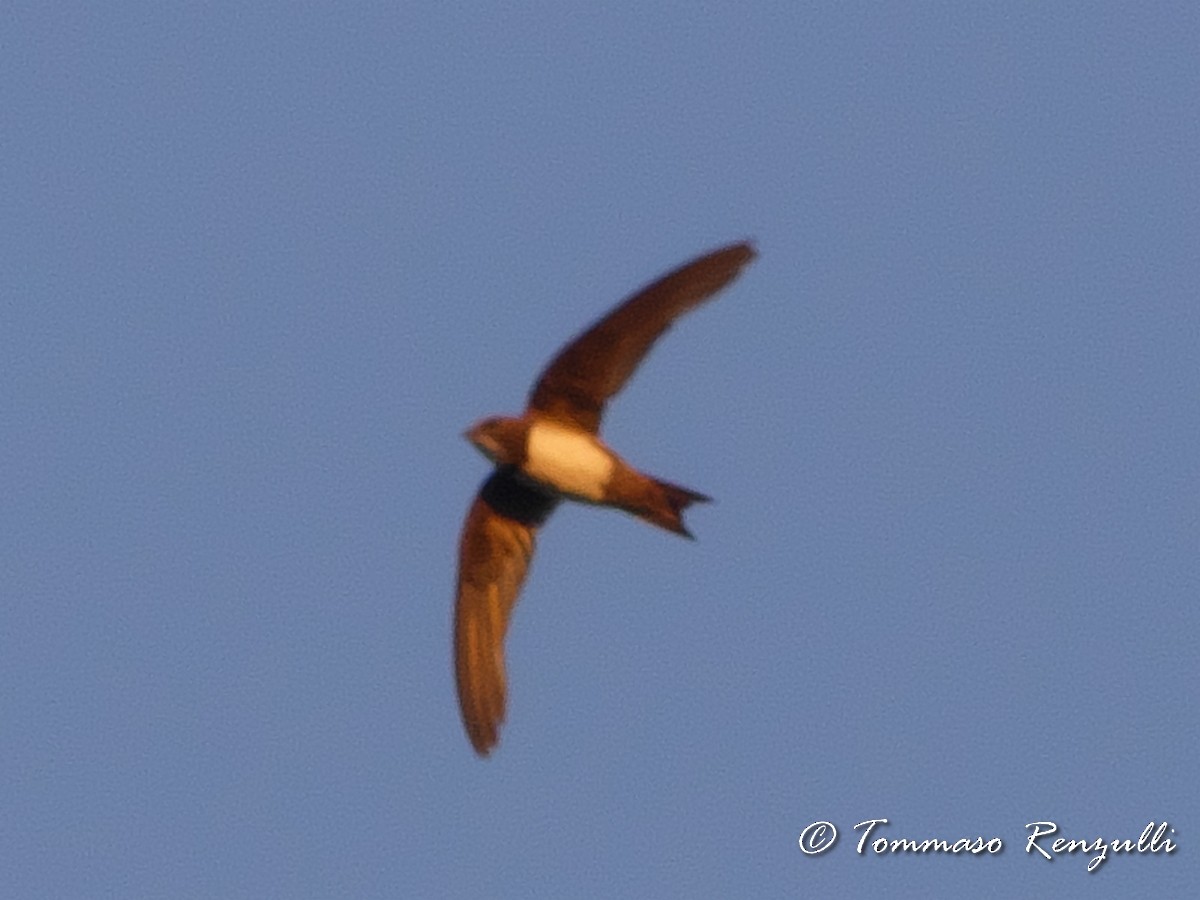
[597,363]
[494,553]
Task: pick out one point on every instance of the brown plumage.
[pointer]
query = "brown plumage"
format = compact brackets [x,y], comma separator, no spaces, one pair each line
[497,544]
[554,451]
[597,363]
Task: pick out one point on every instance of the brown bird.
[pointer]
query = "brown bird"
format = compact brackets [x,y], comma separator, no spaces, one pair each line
[551,452]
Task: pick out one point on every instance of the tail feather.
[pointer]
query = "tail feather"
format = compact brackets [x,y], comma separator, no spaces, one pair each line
[668,505]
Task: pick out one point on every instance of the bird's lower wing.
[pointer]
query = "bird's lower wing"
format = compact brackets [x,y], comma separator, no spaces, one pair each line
[496,547]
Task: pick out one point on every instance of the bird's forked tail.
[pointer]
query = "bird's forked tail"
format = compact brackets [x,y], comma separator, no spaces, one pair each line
[666,505]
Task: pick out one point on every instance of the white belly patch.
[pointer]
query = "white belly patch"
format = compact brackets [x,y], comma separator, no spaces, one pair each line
[570,461]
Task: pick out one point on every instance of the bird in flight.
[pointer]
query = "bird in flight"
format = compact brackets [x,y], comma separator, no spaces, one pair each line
[554,452]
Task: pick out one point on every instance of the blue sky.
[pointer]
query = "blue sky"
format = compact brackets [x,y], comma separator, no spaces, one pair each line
[261,265]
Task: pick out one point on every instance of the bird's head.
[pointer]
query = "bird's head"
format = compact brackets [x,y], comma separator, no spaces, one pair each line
[500,439]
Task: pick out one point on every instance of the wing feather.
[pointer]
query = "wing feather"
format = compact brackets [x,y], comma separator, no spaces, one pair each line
[597,363]
[494,553]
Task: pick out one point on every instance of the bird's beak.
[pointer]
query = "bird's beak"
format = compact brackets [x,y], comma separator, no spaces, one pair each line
[481,442]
